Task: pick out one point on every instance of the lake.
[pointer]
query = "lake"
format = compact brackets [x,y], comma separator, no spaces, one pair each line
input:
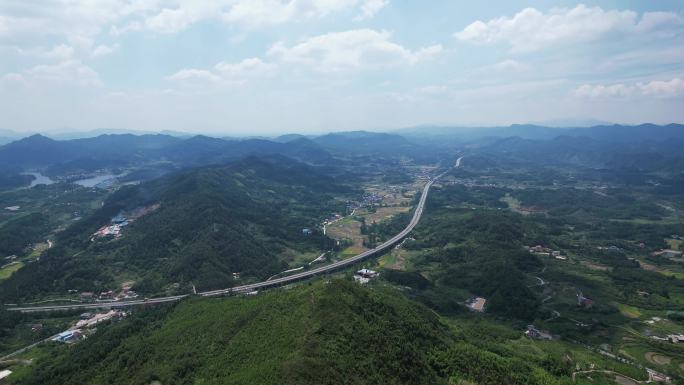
[94,181]
[39,179]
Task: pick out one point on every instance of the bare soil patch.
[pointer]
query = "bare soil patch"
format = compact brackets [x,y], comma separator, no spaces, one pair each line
[595,266]
[657,359]
[624,380]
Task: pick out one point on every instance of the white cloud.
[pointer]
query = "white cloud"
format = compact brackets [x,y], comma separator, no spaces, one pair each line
[604,91]
[665,22]
[104,50]
[225,73]
[4,28]
[354,49]
[261,12]
[45,18]
[194,75]
[71,72]
[173,20]
[531,29]
[663,89]
[12,78]
[370,8]
[656,88]
[173,16]
[245,68]
[133,26]
[509,65]
[65,73]
[61,52]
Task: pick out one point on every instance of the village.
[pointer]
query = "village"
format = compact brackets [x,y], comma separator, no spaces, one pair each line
[121,220]
[86,325]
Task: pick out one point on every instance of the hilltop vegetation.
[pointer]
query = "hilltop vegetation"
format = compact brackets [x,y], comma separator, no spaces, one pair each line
[465,253]
[325,333]
[211,222]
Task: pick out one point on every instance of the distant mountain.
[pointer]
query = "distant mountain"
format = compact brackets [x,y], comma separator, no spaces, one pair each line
[571,123]
[446,135]
[606,149]
[622,133]
[641,132]
[200,150]
[4,140]
[39,151]
[33,151]
[7,136]
[212,221]
[288,138]
[367,143]
[67,135]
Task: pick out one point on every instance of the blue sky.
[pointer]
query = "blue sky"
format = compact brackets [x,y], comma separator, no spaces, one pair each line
[258,67]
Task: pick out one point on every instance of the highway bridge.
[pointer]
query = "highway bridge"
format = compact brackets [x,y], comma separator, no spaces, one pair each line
[259,285]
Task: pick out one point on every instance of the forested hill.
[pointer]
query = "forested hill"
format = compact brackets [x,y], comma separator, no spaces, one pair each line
[326,333]
[244,217]
[104,151]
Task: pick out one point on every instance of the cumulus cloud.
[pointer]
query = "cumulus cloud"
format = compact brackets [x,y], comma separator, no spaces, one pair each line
[68,72]
[36,22]
[245,68]
[172,17]
[370,8]
[174,20]
[259,12]
[354,49]
[61,51]
[508,65]
[24,20]
[656,88]
[531,29]
[226,73]
[663,89]
[104,50]
[193,75]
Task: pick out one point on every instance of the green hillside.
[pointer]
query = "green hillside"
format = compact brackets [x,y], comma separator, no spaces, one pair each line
[210,222]
[326,333]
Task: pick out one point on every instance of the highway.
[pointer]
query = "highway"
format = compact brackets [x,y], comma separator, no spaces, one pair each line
[265,284]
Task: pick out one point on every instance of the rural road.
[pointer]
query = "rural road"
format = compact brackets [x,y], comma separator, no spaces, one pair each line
[264,284]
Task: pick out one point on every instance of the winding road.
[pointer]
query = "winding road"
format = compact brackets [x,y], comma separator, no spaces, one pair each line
[264,284]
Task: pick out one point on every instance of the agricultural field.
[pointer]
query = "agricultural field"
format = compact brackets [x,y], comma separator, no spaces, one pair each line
[7,270]
[380,203]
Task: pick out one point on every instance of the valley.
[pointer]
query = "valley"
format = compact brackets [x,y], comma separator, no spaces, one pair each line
[324,192]
[573,273]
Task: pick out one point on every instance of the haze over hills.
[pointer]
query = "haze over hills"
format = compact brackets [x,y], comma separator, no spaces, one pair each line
[38,151]
[531,131]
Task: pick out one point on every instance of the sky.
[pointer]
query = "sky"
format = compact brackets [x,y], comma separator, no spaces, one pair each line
[257,67]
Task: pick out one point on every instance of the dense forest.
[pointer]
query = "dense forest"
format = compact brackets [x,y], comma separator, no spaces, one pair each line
[11,179]
[210,223]
[312,334]
[466,252]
